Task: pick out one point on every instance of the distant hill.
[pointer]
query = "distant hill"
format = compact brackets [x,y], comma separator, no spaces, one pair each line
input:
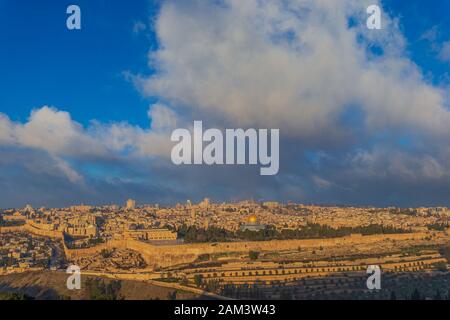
[52,286]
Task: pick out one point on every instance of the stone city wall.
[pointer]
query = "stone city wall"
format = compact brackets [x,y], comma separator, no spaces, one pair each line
[167,255]
[186,253]
[33,228]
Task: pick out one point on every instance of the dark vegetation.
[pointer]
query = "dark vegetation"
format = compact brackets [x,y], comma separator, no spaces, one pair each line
[14,296]
[98,289]
[192,234]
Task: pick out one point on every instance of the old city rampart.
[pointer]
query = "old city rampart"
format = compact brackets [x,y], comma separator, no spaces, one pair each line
[166,255]
[185,253]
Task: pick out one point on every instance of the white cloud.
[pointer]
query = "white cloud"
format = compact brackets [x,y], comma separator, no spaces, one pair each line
[294,65]
[431,34]
[138,27]
[55,133]
[162,117]
[444,53]
[383,162]
[6,130]
[65,168]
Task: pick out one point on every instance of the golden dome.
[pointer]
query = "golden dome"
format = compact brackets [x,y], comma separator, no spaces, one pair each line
[252,219]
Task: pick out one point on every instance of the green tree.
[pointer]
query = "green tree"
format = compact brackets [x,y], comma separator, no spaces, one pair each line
[416,295]
[99,290]
[286,295]
[172,295]
[14,296]
[198,280]
[212,285]
[253,255]
[105,253]
[437,296]
[393,295]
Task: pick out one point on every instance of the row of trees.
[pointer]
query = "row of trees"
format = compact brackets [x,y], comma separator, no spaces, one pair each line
[98,289]
[192,234]
[438,226]
[417,295]
[14,296]
[4,223]
[212,285]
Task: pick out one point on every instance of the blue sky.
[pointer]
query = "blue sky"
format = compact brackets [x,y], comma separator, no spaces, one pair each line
[80,72]
[416,19]
[84,72]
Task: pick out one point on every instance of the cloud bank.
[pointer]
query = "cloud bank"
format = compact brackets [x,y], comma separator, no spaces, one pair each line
[359,122]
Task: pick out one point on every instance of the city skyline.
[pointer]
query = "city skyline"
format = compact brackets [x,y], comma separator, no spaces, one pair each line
[247,250]
[86,115]
[133,204]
